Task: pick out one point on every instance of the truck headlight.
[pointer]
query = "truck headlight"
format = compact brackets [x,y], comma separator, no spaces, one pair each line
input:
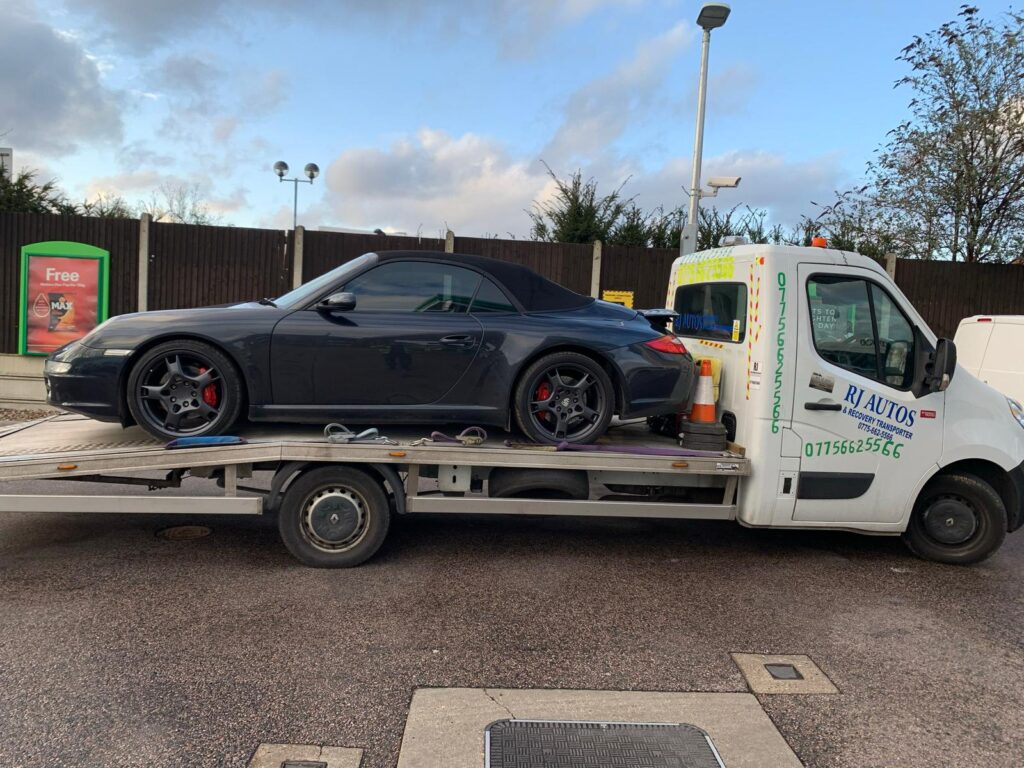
[1016,410]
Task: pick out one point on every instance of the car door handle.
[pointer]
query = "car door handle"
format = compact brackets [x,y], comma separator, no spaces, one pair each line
[458,340]
[825,406]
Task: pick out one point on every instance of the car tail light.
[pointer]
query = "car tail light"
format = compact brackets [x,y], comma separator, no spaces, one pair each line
[667,343]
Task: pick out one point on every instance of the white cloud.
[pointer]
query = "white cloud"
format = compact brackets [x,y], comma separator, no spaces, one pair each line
[51,90]
[782,186]
[470,183]
[475,186]
[600,112]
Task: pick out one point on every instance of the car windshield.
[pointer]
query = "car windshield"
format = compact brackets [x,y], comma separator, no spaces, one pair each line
[309,291]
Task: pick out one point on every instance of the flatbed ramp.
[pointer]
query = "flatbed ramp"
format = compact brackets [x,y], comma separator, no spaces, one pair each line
[71,447]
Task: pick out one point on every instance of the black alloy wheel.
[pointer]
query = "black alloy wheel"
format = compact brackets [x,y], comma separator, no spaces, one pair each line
[184,388]
[564,397]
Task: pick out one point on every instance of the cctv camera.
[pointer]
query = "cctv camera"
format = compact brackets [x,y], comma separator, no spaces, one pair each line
[724,182]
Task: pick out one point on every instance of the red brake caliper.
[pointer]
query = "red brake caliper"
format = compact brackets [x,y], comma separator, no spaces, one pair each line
[209,392]
[543,393]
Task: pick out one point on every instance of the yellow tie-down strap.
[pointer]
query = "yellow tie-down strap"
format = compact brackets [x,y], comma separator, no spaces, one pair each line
[716,371]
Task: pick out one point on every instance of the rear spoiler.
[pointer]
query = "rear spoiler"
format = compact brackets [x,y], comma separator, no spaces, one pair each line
[659,318]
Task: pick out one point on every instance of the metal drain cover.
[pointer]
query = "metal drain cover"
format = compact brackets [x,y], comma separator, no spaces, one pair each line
[183,532]
[551,744]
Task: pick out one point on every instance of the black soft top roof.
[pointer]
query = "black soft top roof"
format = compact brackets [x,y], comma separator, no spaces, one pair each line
[533,292]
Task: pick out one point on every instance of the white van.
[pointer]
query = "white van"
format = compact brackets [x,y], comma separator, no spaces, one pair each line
[855,414]
[992,348]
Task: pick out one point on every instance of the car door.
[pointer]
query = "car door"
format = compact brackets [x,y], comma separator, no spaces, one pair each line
[864,434]
[407,341]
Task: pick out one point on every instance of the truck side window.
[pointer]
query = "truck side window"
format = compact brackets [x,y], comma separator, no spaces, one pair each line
[712,311]
[857,326]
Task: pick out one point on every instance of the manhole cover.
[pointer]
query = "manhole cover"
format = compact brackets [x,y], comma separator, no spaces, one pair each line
[783,671]
[548,743]
[183,532]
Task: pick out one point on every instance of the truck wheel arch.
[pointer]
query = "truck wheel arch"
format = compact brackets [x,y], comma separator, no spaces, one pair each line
[1009,485]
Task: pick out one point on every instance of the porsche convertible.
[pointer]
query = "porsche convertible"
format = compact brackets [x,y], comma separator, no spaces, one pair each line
[400,337]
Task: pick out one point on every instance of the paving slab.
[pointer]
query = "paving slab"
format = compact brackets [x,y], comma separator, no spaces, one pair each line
[272,755]
[446,726]
[760,680]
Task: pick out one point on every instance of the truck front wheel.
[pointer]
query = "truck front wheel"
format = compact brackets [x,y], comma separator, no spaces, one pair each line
[334,517]
[958,519]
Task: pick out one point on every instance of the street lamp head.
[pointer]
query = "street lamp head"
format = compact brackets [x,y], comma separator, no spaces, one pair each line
[312,170]
[281,168]
[712,16]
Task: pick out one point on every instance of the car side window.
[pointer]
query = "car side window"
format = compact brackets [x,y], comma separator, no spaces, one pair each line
[414,286]
[857,326]
[490,298]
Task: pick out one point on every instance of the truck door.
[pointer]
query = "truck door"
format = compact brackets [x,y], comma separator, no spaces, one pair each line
[866,438]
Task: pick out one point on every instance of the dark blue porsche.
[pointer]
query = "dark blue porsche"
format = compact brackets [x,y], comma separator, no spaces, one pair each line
[397,337]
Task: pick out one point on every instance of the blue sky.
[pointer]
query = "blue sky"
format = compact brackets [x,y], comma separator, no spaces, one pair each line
[425,115]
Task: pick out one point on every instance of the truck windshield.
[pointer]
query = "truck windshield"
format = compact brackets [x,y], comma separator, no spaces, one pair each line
[712,311]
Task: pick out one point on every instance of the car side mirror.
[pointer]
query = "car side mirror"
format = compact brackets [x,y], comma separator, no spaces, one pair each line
[343,301]
[940,370]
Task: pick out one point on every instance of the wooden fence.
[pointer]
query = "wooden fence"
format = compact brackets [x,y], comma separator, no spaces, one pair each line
[945,293]
[188,266]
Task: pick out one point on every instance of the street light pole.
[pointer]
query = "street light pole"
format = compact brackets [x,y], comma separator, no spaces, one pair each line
[312,170]
[712,15]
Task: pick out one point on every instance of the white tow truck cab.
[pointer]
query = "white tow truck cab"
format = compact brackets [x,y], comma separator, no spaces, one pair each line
[854,414]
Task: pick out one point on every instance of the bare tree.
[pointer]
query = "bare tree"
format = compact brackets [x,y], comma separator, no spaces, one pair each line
[178,204]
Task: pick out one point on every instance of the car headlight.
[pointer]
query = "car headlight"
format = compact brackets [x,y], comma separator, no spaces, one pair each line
[54,366]
[1016,410]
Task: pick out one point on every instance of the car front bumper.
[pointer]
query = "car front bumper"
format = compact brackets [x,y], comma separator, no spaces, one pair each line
[86,381]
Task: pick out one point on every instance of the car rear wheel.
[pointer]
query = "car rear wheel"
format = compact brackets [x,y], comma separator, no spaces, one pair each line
[184,388]
[564,397]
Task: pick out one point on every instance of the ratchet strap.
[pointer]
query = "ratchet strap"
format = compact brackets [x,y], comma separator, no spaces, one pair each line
[339,433]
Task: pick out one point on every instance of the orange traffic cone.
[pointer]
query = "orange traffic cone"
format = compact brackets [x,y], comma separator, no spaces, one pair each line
[703,411]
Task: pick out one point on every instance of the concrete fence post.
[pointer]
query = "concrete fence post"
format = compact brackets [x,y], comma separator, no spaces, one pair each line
[595,271]
[449,242]
[890,265]
[297,237]
[142,286]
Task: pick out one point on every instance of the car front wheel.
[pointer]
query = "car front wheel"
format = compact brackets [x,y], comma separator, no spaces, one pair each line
[564,397]
[184,388]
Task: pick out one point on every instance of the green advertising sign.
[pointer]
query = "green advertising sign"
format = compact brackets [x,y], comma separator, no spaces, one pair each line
[63,294]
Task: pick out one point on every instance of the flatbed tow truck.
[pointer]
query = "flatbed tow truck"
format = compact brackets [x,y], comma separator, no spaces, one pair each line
[336,498]
[852,415]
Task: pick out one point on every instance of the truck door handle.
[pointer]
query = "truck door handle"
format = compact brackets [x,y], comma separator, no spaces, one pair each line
[458,340]
[826,406]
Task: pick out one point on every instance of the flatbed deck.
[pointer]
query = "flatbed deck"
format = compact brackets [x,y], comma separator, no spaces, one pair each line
[432,477]
[70,445]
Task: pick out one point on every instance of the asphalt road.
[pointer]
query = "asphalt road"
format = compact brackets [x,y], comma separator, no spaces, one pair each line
[119,648]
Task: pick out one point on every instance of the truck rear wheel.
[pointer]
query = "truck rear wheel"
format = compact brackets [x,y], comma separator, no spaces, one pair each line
[334,517]
[958,519]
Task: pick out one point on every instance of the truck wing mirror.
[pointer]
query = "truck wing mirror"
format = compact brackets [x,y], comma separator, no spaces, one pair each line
[939,371]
